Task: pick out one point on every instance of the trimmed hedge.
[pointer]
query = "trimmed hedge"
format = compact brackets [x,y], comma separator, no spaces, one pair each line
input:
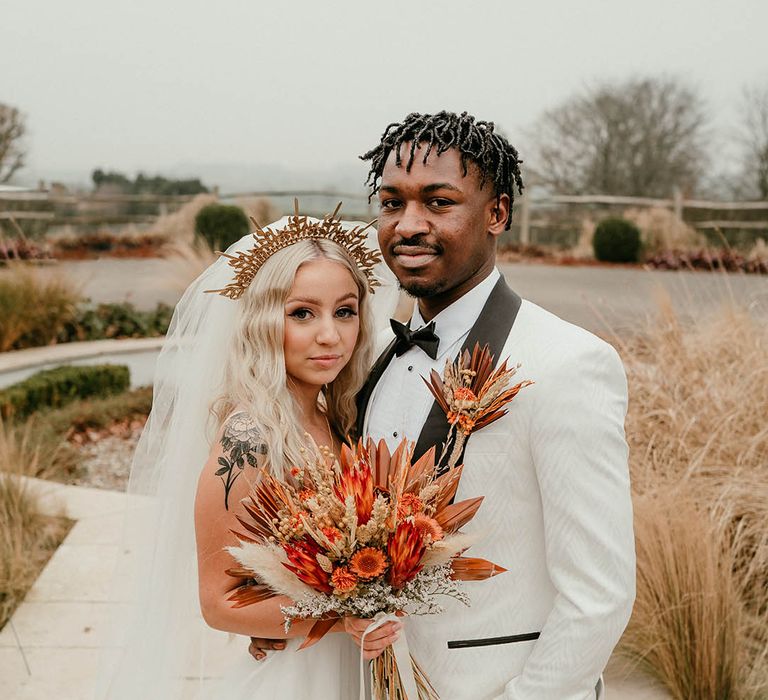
[57,387]
[221,225]
[116,321]
[616,240]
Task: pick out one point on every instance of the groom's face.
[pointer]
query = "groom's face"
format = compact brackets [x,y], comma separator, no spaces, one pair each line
[437,226]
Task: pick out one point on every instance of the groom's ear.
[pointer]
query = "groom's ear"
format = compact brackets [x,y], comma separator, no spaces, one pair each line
[498,215]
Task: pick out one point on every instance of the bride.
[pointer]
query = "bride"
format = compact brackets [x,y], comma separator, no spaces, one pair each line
[249,375]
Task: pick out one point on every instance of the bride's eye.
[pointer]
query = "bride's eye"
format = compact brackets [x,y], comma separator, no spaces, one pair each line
[301,314]
[346,312]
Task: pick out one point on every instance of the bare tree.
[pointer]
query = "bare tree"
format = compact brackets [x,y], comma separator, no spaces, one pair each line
[754,141]
[641,137]
[11,131]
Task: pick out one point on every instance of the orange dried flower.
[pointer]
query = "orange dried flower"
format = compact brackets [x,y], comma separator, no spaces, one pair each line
[405,548]
[368,563]
[463,393]
[466,424]
[303,558]
[343,580]
[332,533]
[428,527]
[408,505]
[306,494]
[357,481]
[295,471]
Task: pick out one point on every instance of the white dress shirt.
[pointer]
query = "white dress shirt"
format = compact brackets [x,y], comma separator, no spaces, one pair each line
[401,401]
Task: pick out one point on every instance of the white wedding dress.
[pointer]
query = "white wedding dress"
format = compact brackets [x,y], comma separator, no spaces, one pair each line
[329,670]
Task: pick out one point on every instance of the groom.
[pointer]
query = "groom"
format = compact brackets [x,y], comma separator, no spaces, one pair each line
[557,512]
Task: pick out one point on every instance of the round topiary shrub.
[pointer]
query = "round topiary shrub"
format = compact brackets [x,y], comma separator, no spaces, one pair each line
[616,240]
[221,225]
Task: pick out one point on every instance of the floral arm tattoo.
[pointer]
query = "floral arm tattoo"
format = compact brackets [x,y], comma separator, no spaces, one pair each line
[242,443]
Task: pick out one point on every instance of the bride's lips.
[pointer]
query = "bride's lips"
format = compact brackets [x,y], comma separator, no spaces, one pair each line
[326,361]
[413,258]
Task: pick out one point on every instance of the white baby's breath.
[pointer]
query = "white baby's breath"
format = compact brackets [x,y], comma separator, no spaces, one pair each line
[417,597]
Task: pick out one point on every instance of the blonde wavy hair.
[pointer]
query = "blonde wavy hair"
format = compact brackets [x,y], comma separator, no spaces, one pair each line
[255,379]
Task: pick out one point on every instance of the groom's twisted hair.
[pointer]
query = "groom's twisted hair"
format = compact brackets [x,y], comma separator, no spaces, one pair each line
[476,141]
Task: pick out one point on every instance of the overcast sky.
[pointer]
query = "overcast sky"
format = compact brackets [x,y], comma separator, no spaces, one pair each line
[168,85]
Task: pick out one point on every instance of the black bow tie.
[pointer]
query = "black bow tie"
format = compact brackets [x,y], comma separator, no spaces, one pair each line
[425,338]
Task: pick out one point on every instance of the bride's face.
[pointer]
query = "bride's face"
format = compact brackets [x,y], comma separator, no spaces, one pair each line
[321,322]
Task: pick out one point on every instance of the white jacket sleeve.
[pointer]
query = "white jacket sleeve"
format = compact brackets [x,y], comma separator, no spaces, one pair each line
[580,457]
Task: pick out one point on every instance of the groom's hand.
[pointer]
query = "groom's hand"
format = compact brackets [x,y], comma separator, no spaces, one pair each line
[259,647]
[375,642]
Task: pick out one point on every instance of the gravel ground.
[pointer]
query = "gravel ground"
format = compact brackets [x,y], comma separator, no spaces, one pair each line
[107,461]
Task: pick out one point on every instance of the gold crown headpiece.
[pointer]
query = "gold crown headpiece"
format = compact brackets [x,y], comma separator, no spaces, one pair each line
[268,242]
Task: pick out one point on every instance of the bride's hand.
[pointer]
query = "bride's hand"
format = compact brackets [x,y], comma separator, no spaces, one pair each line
[375,642]
[259,647]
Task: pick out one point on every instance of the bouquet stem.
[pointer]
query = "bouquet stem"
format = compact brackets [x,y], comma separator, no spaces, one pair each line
[386,679]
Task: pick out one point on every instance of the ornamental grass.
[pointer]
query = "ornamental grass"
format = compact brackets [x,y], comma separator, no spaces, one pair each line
[184,262]
[27,537]
[35,305]
[698,439]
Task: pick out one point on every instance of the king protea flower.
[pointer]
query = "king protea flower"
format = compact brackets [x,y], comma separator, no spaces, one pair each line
[357,481]
[472,394]
[303,558]
[405,549]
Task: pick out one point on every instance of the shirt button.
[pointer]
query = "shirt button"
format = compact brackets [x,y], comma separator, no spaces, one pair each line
[410,368]
[394,434]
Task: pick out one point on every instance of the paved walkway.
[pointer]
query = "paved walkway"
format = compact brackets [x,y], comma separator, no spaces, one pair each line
[139,354]
[142,281]
[52,644]
[616,299]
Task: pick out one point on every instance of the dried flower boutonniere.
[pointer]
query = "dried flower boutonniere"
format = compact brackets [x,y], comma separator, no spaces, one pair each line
[472,395]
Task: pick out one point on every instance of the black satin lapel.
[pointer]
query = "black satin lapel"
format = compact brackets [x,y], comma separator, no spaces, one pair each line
[492,328]
[433,433]
[364,395]
[495,320]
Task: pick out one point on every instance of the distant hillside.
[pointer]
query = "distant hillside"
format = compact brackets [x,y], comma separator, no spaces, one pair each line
[239,177]
[230,177]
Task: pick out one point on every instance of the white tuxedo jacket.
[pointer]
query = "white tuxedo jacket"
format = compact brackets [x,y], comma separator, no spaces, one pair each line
[557,515]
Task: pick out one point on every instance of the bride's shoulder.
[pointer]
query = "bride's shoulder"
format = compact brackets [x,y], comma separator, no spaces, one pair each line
[237,454]
[241,431]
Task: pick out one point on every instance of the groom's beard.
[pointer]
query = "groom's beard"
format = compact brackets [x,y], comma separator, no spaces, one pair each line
[419,291]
